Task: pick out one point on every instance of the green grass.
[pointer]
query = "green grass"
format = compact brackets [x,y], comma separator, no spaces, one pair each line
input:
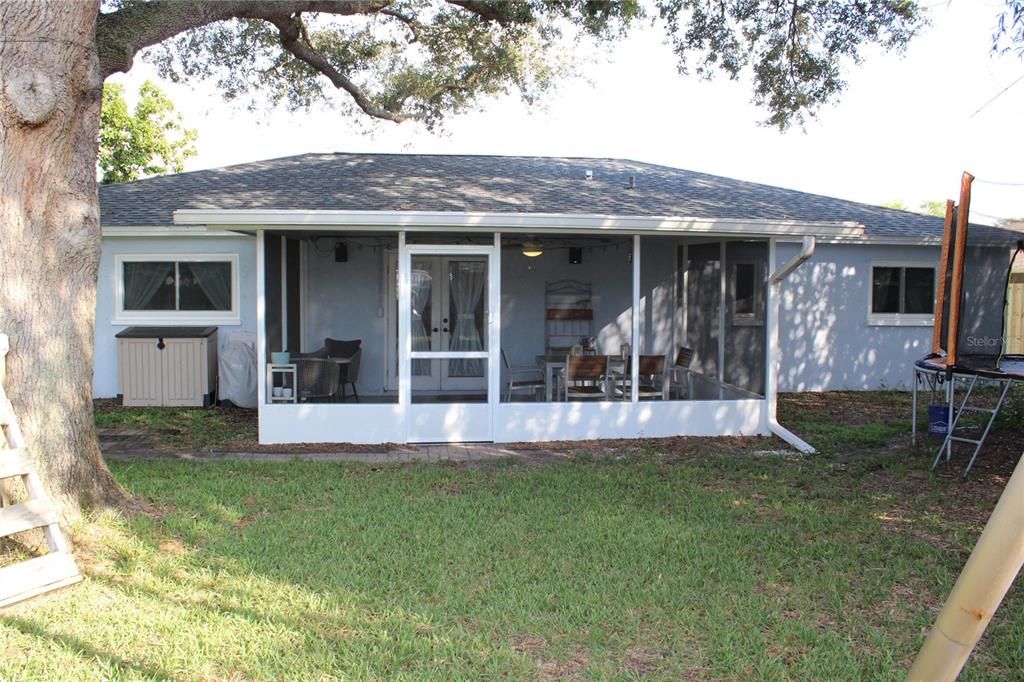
[183,428]
[718,567]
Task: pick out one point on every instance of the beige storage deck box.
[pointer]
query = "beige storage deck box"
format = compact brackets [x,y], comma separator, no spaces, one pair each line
[167,366]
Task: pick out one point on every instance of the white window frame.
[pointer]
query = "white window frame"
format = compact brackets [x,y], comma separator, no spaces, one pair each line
[176,317]
[756,318]
[900,319]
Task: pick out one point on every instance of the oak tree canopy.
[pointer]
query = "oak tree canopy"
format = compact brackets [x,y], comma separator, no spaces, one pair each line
[426,59]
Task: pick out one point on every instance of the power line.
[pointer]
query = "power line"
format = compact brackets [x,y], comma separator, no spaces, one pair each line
[996,96]
[1003,184]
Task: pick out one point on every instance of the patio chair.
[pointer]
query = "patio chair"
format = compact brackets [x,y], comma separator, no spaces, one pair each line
[522,378]
[348,373]
[654,380]
[317,379]
[681,373]
[586,377]
[346,355]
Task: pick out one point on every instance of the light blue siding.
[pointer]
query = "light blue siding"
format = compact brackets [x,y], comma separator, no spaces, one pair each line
[104,382]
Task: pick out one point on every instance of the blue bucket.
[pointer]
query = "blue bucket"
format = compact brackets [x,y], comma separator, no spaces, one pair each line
[938,420]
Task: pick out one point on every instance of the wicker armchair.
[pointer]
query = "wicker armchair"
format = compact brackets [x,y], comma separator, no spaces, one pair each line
[317,379]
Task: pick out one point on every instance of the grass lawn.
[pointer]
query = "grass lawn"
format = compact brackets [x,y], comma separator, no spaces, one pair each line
[675,559]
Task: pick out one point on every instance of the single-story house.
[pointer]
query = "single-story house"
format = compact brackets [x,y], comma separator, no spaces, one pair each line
[459,275]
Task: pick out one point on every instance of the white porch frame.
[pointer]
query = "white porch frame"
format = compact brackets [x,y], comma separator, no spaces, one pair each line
[383,422]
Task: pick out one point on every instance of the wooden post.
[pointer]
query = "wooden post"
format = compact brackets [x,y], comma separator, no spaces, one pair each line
[963,212]
[987,576]
[940,294]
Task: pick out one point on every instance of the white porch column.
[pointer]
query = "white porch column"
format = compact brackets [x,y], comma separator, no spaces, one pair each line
[404,338]
[723,290]
[261,325]
[634,346]
[284,294]
[494,332]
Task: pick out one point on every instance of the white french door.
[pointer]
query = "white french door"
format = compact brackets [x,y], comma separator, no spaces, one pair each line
[448,313]
[447,341]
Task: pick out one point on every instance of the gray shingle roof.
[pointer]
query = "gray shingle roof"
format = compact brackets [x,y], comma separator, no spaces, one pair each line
[418,182]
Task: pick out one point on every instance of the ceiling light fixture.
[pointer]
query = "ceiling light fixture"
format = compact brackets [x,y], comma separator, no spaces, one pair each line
[532,249]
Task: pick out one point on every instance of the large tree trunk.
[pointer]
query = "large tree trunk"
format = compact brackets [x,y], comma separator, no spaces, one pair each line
[50,93]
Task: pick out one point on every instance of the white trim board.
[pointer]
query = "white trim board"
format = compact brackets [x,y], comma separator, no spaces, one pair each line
[165,231]
[520,422]
[248,220]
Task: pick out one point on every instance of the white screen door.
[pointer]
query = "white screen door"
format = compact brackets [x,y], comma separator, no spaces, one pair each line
[446,341]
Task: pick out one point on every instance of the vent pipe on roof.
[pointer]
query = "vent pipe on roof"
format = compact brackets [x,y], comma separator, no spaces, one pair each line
[632,182]
[588,174]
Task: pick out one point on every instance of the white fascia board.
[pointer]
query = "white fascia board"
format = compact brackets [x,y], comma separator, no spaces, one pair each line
[411,221]
[165,231]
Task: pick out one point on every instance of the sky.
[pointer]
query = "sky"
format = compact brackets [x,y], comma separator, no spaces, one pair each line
[904,130]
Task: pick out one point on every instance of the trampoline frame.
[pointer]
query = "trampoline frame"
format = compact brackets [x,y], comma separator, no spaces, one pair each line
[942,364]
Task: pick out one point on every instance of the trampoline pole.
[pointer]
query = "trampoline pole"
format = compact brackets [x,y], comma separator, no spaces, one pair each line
[987,576]
[956,290]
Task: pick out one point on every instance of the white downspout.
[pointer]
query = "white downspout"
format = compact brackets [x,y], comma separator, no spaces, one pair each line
[771,384]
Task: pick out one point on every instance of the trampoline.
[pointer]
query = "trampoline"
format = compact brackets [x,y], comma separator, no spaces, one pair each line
[945,365]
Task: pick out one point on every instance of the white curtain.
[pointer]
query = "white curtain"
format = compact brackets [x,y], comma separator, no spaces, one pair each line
[421,288]
[467,283]
[214,278]
[142,281]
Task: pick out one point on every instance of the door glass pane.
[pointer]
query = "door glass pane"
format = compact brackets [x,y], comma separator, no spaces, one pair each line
[467,282]
[421,311]
[463,391]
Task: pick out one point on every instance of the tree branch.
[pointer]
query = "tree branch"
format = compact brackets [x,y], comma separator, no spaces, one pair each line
[121,34]
[414,26]
[290,29]
[490,11]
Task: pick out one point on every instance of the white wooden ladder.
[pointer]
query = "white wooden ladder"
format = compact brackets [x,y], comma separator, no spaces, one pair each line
[48,572]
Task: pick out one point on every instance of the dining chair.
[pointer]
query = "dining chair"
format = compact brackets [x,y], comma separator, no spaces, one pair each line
[522,378]
[586,377]
[654,380]
[682,374]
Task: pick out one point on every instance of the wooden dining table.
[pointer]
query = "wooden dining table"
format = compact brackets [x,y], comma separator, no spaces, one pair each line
[552,364]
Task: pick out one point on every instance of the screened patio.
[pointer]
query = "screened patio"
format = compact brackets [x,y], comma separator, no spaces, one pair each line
[521,336]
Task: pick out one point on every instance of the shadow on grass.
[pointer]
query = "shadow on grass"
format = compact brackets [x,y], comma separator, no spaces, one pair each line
[84,649]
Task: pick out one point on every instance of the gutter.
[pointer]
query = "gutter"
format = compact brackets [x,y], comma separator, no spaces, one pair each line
[772,364]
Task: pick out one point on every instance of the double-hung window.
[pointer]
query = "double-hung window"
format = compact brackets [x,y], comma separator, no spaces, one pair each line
[177,289]
[902,294]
